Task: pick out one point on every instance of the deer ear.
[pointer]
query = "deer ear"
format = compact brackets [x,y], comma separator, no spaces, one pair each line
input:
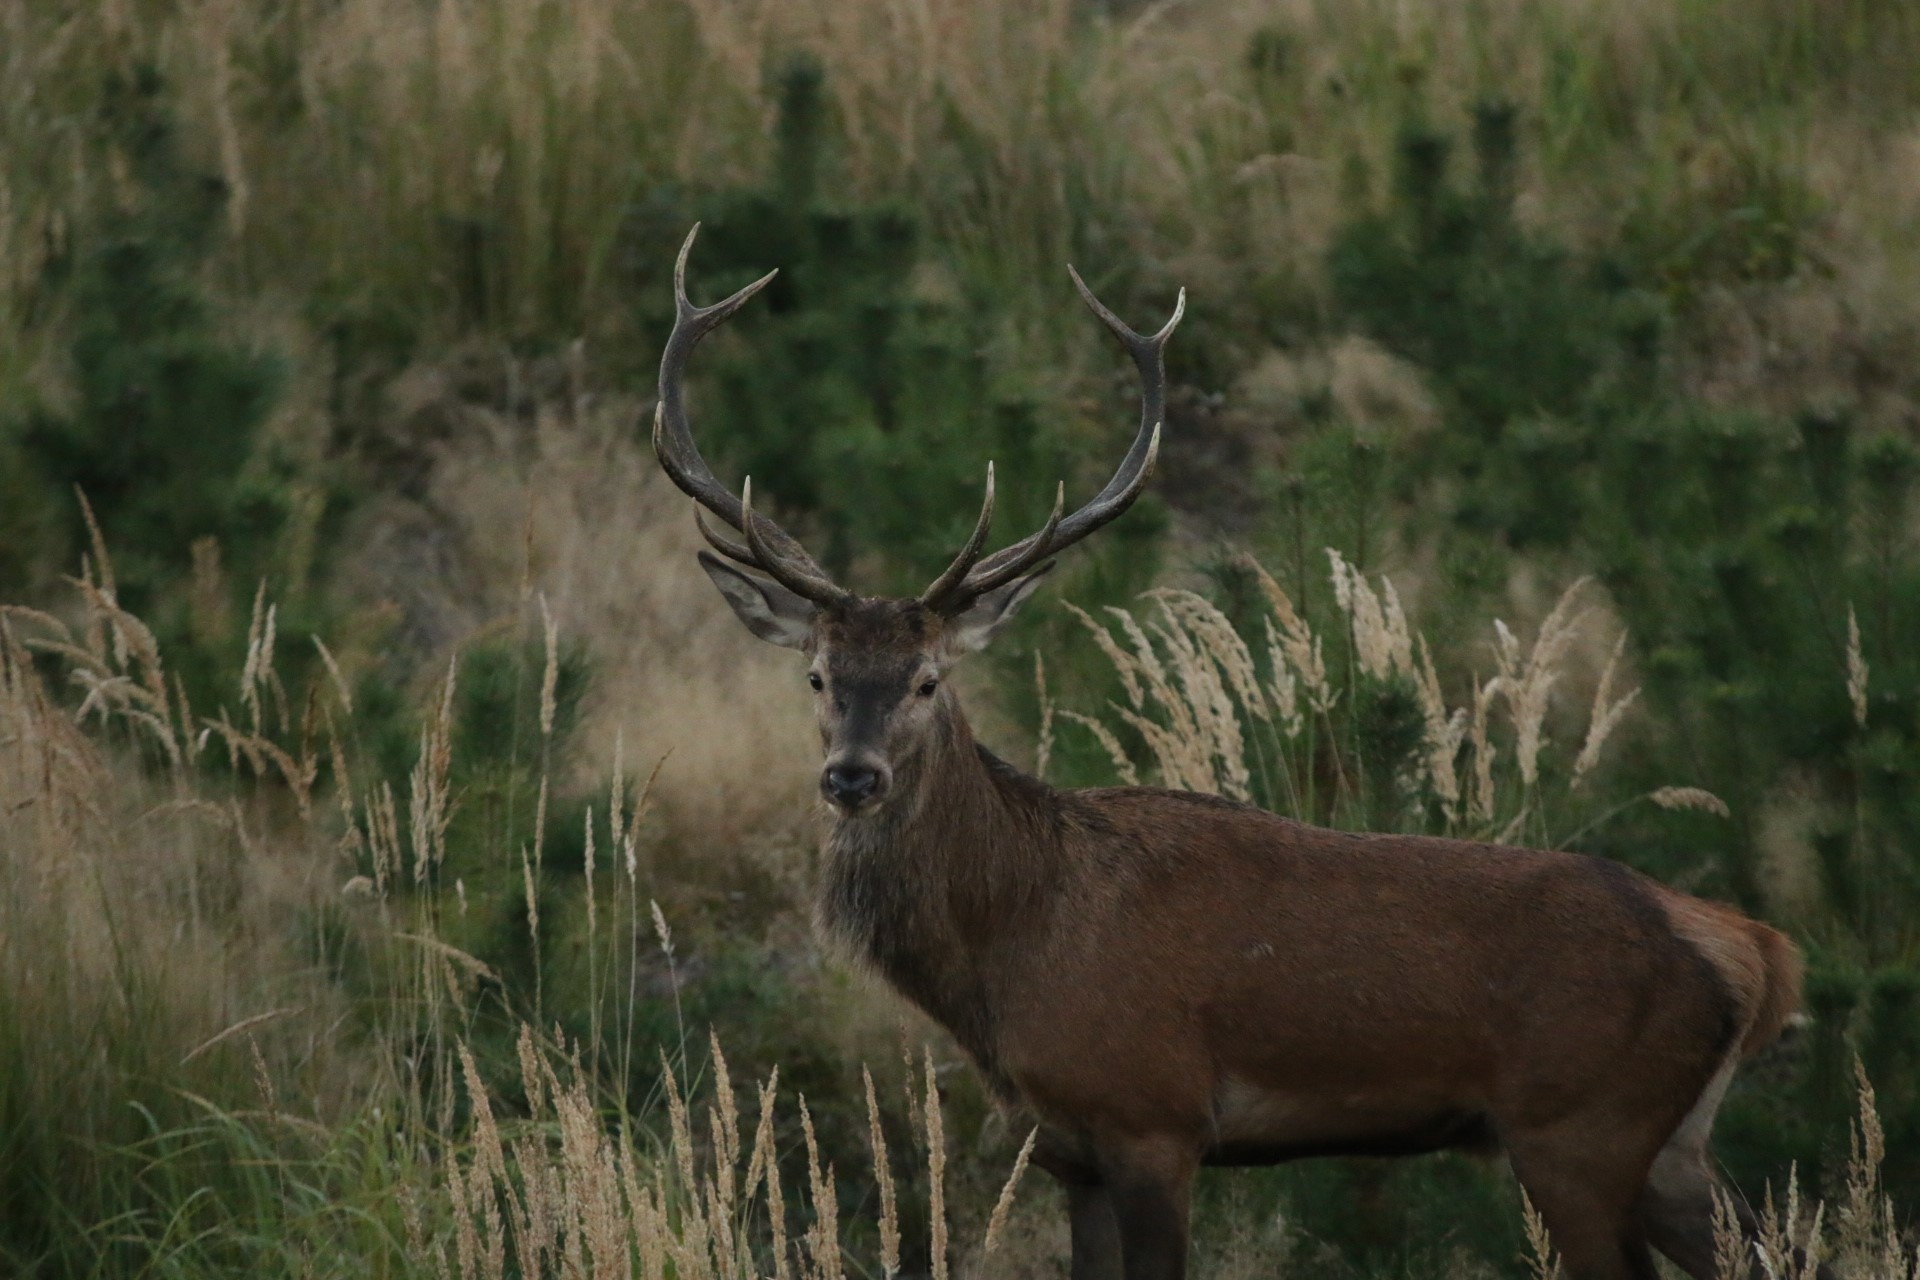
[970,630]
[770,611]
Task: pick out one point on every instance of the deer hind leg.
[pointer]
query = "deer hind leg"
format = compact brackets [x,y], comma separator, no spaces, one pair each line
[1676,1209]
[1585,1182]
[1677,1212]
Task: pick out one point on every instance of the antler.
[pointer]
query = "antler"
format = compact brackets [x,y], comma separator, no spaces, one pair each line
[768,547]
[969,577]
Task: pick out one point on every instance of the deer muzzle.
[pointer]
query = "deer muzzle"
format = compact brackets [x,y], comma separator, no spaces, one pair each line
[854,784]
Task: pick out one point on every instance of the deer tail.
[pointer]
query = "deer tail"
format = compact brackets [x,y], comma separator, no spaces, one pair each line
[1783,971]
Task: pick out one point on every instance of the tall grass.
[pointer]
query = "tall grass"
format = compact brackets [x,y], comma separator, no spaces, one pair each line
[237,1036]
[520,168]
[161,952]
[1352,723]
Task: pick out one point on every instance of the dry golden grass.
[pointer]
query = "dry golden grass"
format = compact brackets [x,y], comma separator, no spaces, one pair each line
[563,510]
[150,921]
[476,165]
[1857,1237]
[191,886]
[1210,721]
[564,1193]
[136,903]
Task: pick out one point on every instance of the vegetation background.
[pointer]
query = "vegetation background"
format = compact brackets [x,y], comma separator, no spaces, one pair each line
[388,810]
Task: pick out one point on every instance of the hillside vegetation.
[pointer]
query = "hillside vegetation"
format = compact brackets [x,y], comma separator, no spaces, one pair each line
[404,859]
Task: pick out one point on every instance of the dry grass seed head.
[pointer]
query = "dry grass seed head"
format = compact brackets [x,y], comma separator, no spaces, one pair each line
[1283,689]
[823,1238]
[1541,1262]
[1122,766]
[1183,762]
[1856,670]
[1147,662]
[883,1176]
[936,1172]
[1208,708]
[1373,643]
[1605,716]
[1123,663]
[1296,640]
[1043,747]
[1528,682]
[1729,1241]
[1216,637]
[550,674]
[680,1135]
[1696,799]
[1444,734]
[997,1223]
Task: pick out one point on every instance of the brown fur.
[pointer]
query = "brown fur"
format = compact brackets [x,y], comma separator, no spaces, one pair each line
[1168,979]
[1760,966]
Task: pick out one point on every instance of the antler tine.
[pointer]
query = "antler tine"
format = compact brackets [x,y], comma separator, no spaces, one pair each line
[1128,481]
[1037,548]
[720,542]
[802,579]
[957,571]
[773,550]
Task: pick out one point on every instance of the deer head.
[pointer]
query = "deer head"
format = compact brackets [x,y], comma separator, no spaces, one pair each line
[879,663]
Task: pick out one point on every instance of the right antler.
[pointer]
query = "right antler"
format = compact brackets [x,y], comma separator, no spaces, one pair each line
[969,577]
[768,547]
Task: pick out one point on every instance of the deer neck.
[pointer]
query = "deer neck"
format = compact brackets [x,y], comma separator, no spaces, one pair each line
[933,887]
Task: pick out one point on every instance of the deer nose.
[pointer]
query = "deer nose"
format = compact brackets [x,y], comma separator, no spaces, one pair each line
[851,785]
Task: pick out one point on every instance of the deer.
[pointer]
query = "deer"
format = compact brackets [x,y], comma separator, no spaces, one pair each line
[1168,980]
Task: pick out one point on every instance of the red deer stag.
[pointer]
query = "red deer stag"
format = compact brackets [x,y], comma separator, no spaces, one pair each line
[1169,980]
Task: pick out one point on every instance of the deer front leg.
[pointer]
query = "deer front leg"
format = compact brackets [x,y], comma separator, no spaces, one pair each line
[1149,1185]
[1090,1218]
[1096,1232]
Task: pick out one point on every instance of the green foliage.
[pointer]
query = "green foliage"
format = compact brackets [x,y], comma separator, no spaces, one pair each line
[160,440]
[858,388]
[1525,344]
[1737,546]
[167,408]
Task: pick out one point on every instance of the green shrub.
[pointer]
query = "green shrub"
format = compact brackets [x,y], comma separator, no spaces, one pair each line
[167,408]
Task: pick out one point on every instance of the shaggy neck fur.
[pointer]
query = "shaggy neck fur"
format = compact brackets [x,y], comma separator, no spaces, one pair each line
[959,862]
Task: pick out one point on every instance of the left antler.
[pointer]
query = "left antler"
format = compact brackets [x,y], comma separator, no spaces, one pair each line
[970,577]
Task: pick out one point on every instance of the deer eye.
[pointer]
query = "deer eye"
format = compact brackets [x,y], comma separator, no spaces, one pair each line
[813,678]
[926,690]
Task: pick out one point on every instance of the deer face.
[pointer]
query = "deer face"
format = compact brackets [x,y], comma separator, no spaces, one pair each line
[878,665]
[878,671]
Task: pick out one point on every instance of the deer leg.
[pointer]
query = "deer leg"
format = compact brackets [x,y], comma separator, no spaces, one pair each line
[1149,1186]
[1676,1212]
[1090,1218]
[1588,1204]
[1096,1232]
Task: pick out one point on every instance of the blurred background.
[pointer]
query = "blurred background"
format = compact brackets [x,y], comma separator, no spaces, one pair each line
[389,809]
